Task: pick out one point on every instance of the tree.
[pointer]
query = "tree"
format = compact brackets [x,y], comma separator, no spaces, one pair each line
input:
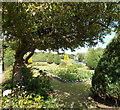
[55,25]
[81,57]
[92,57]
[106,80]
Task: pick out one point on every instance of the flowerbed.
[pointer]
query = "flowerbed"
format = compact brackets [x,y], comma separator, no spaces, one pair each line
[22,99]
[72,75]
[32,92]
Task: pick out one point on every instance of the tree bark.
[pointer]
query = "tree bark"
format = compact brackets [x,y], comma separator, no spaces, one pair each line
[19,64]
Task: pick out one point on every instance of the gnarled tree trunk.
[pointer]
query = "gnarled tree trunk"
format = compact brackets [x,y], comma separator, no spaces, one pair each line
[19,64]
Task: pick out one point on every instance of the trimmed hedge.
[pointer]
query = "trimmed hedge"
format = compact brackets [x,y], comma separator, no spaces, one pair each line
[106,80]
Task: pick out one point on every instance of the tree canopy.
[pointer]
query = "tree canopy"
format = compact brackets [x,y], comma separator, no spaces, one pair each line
[58,25]
[30,26]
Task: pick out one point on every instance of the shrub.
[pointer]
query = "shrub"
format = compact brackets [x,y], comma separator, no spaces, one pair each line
[72,69]
[39,57]
[106,80]
[33,92]
[71,73]
[57,59]
[20,98]
[63,64]
[50,58]
[78,65]
[38,85]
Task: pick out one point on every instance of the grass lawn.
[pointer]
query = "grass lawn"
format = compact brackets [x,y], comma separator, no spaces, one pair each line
[76,94]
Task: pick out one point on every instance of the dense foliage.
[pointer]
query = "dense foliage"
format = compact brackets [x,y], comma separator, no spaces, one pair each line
[40,25]
[20,98]
[33,92]
[92,57]
[106,80]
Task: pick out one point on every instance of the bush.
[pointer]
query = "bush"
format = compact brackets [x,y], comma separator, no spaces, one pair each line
[39,57]
[20,98]
[33,92]
[57,59]
[71,73]
[50,58]
[106,80]
[38,85]
[63,64]
[72,69]
[78,65]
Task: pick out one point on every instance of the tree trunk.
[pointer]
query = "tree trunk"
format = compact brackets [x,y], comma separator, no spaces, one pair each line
[17,73]
[18,65]
[29,56]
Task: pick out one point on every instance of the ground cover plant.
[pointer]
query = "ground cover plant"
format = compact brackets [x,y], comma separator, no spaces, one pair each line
[19,98]
[34,92]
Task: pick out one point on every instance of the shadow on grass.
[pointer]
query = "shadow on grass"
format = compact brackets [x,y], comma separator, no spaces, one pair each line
[72,94]
[107,102]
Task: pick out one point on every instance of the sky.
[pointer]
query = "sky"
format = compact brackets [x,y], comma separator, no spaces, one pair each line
[84,50]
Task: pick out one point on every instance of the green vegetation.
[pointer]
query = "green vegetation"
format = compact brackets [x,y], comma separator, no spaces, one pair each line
[53,26]
[34,92]
[20,98]
[50,58]
[39,57]
[106,80]
[92,57]
[9,57]
[57,59]
[71,73]
[80,57]
[36,26]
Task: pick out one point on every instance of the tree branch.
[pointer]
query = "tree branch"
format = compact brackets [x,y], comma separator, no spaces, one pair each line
[30,55]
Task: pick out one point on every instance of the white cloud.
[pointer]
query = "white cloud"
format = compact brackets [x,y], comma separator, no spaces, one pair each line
[109,37]
[81,50]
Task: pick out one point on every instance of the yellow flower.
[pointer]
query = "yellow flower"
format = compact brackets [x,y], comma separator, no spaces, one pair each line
[30,60]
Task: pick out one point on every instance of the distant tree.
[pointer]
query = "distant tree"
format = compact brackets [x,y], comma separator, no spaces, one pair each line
[81,57]
[71,56]
[92,57]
